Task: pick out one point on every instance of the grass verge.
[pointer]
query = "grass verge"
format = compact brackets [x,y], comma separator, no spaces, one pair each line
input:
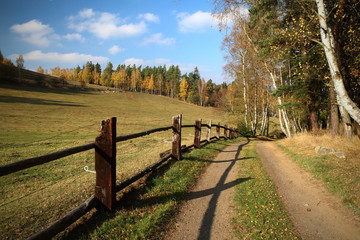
[341,176]
[143,215]
[259,212]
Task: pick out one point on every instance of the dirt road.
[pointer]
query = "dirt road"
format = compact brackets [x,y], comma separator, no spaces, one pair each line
[208,209]
[315,212]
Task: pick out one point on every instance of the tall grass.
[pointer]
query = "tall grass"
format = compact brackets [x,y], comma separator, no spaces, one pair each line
[38,121]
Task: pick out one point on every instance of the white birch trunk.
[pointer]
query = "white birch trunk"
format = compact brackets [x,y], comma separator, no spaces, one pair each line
[245,91]
[346,121]
[255,113]
[327,38]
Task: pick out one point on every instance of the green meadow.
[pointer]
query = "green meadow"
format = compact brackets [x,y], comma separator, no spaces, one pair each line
[38,120]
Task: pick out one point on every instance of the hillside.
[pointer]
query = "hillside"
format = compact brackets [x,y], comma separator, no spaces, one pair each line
[32,113]
[38,120]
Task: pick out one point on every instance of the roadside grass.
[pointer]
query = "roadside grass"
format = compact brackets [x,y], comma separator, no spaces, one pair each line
[144,214]
[37,121]
[260,213]
[341,176]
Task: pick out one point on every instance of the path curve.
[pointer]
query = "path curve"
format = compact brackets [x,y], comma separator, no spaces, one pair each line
[208,209]
[315,212]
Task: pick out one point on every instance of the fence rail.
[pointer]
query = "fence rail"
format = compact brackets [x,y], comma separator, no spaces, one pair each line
[105,164]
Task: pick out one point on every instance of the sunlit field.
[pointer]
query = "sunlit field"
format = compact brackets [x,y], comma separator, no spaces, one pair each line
[37,121]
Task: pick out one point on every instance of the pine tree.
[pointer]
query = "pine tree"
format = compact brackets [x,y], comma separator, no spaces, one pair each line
[1,57]
[20,61]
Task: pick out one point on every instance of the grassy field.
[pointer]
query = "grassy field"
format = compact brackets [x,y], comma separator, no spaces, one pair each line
[38,121]
[341,176]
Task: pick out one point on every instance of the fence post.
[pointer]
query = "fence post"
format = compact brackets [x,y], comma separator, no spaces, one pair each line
[208,131]
[105,164]
[197,138]
[218,131]
[176,143]
[225,131]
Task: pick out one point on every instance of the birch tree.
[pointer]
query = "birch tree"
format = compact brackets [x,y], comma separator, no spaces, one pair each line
[328,43]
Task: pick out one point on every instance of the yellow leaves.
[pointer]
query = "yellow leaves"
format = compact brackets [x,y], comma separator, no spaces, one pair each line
[183,89]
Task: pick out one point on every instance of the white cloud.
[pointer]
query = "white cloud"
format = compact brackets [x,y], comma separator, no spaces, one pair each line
[158,39]
[35,32]
[149,17]
[151,62]
[115,49]
[197,22]
[61,58]
[74,36]
[86,13]
[104,25]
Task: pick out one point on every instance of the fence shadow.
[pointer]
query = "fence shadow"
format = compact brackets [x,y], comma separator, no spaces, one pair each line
[208,218]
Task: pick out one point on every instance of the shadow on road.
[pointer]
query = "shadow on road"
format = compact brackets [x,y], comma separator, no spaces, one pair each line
[208,219]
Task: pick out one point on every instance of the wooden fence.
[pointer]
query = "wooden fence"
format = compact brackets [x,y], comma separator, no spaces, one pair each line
[105,165]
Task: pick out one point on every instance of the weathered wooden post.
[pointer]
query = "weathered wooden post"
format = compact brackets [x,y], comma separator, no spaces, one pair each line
[218,131]
[197,138]
[105,164]
[176,143]
[208,131]
[231,133]
[225,131]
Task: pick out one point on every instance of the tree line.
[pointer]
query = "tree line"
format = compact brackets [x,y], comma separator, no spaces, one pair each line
[296,60]
[160,80]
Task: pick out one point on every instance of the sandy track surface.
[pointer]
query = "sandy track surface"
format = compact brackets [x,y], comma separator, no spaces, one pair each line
[208,209]
[315,212]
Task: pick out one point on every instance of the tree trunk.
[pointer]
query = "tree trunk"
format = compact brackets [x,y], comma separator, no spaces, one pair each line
[334,112]
[254,122]
[346,122]
[287,123]
[245,91]
[264,119]
[328,41]
[313,122]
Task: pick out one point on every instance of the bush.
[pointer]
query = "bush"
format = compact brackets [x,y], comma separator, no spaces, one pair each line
[243,130]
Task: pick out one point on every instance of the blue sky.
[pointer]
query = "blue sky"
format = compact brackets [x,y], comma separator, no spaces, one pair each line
[66,33]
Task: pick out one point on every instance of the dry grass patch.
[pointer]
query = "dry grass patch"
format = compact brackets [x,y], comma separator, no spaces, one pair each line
[306,143]
[341,176]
